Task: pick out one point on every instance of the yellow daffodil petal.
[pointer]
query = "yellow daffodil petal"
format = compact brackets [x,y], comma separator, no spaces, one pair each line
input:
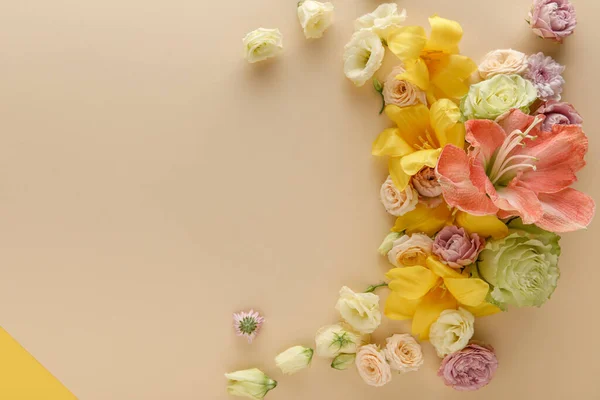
[414,162]
[470,291]
[407,42]
[445,121]
[441,269]
[483,310]
[412,122]
[450,75]
[429,309]
[484,226]
[400,308]
[423,219]
[399,177]
[416,72]
[413,282]
[445,35]
[389,143]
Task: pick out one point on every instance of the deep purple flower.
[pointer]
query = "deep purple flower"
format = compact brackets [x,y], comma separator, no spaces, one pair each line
[552,19]
[558,113]
[469,369]
[545,74]
[457,248]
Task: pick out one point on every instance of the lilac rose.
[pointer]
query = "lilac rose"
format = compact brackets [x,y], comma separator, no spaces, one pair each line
[553,19]
[558,113]
[457,248]
[546,76]
[470,368]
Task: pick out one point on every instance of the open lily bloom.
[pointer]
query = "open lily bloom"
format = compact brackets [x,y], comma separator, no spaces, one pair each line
[515,169]
[433,64]
[421,293]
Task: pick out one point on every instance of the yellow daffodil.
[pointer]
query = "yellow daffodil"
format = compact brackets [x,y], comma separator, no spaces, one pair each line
[433,64]
[421,293]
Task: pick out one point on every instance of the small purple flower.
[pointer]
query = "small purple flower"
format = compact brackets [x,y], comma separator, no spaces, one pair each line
[457,248]
[247,324]
[545,74]
[553,19]
[469,369]
[558,113]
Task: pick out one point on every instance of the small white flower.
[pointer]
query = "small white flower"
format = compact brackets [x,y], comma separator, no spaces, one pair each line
[262,44]
[503,62]
[383,21]
[397,202]
[315,18]
[363,56]
[359,310]
[372,366]
[247,324]
[343,361]
[252,383]
[403,353]
[294,359]
[452,331]
[408,251]
[332,340]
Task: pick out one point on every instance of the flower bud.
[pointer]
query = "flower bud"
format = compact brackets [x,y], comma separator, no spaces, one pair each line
[294,359]
[333,340]
[388,243]
[252,383]
[343,361]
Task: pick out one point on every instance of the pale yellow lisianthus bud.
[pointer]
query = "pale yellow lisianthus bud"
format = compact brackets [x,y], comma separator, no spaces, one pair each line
[408,251]
[343,361]
[315,17]
[262,43]
[332,340]
[372,366]
[388,243]
[252,383]
[359,310]
[452,331]
[294,359]
[403,353]
[503,62]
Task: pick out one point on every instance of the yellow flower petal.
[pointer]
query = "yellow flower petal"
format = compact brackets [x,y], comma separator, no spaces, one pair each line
[450,75]
[445,35]
[400,308]
[416,72]
[399,177]
[389,143]
[423,219]
[441,269]
[412,282]
[407,42]
[445,121]
[483,310]
[470,291]
[429,309]
[412,122]
[484,226]
[414,162]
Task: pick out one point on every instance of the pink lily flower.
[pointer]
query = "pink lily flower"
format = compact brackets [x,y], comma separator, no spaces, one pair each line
[512,168]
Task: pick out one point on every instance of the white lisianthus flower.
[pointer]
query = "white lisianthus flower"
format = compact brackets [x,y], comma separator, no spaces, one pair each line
[332,340]
[252,383]
[343,361]
[363,56]
[359,310]
[396,202]
[452,331]
[408,251]
[294,359]
[372,366]
[403,353]
[315,18]
[262,44]
[503,62]
[383,21]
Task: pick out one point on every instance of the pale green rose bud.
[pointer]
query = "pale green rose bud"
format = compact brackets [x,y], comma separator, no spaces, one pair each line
[343,361]
[252,383]
[388,243]
[333,340]
[294,359]
[492,98]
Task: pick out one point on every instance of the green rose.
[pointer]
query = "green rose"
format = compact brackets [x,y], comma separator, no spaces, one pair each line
[492,98]
[522,269]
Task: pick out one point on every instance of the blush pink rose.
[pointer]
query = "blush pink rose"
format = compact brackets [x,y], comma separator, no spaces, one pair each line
[558,113]
[457,248]
[427,186]
[553,19]
[469,369]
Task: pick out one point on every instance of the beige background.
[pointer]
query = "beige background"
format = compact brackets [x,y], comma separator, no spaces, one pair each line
[151,183]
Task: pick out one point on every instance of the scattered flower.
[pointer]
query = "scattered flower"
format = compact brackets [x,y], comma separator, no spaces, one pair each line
[452,331]
[457,248]
[252,383]
[343,361]
[363,56]
[247,324]
[401,92]
[359,310]
[383,21]
[315,18]
[398,202]
[403,353]
[332,340]
[411,250]
[262,44]
[558,113]
[388,243]
[545,74]
[553,19]
[294,359]
[372,366]
[503,62]
[469,369]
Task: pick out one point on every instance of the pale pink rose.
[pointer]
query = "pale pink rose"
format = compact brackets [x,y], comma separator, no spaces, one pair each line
[403,353]
[470,368]
[397,202]
[457,248]
[372,366]
[553,19]
[408,251]
[401,92]
[558,113]
[427,186]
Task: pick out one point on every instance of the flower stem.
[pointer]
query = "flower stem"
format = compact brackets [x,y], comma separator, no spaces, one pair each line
[372,288]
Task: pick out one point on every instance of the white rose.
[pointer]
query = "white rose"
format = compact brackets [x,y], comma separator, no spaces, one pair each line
[359,310]
[315,18]
[333,340]
[252,383]
[363,56]
[398,202]
[383,21]
[294,359]
[262,44]
[401,92]
[452,331]
[411,250]
[372,366]
[503,62]
[403,353]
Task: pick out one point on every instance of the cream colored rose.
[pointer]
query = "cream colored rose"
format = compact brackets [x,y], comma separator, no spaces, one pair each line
[398,202]
[372,366]
[411,250]
[401,92]
[452,331]
[363,56]
[359,310]
[294,359]
[403,353]
[503,62]
[315,18]
[332,340]
[262,44]
[383,21]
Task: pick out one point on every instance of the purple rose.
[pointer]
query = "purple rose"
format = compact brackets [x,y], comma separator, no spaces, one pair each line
[546,76]
[553,19]
[558,113]
[469,369]
[457,248]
